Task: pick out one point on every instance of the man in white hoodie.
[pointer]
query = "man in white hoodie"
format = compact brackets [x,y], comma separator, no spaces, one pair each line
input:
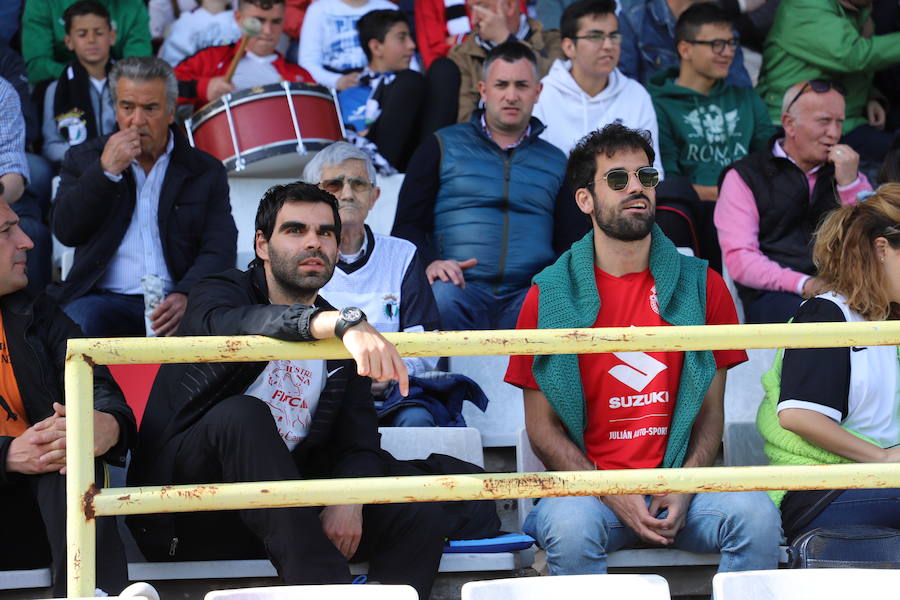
[587,91]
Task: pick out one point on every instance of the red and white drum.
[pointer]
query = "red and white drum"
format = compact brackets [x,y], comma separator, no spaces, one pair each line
[268,131]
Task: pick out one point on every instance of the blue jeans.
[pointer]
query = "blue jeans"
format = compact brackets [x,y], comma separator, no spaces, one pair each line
[413,416]
[578,532]
[107,314]
[476,306]
[879,507]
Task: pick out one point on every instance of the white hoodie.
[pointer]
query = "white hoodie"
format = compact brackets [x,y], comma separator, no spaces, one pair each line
[570,114]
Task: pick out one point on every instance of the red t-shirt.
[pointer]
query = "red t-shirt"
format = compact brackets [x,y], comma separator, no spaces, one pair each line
[629,395]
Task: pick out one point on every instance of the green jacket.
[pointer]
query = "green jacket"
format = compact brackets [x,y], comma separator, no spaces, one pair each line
[820,39]
[699,135]
[43,31]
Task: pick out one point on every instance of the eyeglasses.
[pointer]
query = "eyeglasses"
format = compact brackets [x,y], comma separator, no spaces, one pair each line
[598,37]
[617,179]
[718,46]
[819,86]
[334,186]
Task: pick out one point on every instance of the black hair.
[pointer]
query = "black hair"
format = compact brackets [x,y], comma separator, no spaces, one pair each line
[262,4]
[509,51]
[568,23]
[695,17]
[890,168]
[85,7]
[582,165]
[298,191]
[374,25]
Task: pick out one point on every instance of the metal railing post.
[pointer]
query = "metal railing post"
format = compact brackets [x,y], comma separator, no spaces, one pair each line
[81,538]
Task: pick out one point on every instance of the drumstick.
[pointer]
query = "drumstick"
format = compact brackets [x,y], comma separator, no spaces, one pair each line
[249,27]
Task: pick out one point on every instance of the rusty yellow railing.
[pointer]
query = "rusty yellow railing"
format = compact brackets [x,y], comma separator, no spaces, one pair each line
[85,501]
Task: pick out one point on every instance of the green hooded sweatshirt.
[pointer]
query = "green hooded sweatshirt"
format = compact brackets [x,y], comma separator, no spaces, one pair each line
[820,39]
[699,135]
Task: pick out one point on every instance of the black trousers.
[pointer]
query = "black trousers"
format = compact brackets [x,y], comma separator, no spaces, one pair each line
[34,532]
[237,441]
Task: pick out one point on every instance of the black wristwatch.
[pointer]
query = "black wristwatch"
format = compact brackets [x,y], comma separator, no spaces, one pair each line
[347,318]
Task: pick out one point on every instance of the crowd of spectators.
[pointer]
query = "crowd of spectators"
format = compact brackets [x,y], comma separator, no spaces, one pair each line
[552,152]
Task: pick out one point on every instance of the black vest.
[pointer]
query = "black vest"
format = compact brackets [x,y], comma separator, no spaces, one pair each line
[788,216]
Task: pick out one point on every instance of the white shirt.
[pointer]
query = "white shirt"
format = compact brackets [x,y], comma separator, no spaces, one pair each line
[254,70]
[141,252]
[291,390]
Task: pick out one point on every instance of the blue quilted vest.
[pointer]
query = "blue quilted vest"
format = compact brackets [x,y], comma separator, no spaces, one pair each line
[497,205]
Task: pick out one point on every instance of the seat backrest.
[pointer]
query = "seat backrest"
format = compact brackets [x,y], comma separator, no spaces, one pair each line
[410,443]
[644,587]
[821,584]
[505,413]
[318,592]
[526,462]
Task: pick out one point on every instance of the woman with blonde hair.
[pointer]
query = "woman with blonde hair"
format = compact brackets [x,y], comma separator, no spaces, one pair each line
[842,405]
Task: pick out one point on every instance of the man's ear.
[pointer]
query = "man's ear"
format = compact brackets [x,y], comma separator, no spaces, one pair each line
[482,87]
[567,45]
[67,40]
[788,122]
[375,48]
[261,244]
[683,49]
[584,200]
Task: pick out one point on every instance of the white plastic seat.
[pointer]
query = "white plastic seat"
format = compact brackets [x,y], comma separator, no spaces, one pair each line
[135,591]
[411,443]
[807,584]
[633,587]
[318,592]
[25,578]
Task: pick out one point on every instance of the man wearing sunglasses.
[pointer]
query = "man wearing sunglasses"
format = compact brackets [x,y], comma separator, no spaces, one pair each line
[381,274]
[770,202]
[631,410]
[829,39]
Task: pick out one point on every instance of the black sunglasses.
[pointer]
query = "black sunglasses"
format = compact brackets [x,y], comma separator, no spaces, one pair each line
[819,86]
[718,46]
[617,179]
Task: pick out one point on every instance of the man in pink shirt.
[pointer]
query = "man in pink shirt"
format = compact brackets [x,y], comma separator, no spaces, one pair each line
[771,202]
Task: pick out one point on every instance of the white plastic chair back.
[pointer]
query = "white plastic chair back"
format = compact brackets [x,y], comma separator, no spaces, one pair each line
[505,411]
[136,591]
[319,592]
[411,443]
[526,462]
[633,587]
[807,584]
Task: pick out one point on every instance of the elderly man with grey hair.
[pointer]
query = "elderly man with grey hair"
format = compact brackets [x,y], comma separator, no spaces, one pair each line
[381,274]
[140,202]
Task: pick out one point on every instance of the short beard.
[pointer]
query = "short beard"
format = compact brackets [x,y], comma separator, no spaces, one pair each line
[622,226]
[294,284]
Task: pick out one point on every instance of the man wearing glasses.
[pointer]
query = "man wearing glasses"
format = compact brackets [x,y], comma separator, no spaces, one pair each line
[771,201]
[587,91]
[631,410]
[381,274]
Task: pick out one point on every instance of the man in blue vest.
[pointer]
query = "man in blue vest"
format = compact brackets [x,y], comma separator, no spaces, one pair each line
[483,200]
[632,410]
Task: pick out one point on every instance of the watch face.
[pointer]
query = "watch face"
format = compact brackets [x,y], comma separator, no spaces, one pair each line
[352,314]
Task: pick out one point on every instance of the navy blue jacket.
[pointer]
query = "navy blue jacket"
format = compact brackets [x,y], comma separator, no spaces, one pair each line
[92,213]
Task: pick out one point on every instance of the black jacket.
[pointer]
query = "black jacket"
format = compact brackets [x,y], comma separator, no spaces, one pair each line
[92,213]
[36,332]
[343,439]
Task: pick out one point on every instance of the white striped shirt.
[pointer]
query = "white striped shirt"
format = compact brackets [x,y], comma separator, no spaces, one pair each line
[141,252]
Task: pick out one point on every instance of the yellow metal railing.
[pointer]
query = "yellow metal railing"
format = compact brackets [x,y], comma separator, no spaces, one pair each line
[85,501]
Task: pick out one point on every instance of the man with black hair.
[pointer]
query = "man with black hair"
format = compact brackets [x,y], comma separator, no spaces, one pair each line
[587,91]
[485,198]
[706,123]
[201,77]
[33,337]
[78,106]
[282,419]
[631,410]
[386,104]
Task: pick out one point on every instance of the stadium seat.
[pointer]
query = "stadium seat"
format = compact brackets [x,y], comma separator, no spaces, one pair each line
[636,587]
[806,584]
[318,592]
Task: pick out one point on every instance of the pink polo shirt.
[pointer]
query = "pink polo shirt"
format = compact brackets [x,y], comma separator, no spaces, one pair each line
[737,221]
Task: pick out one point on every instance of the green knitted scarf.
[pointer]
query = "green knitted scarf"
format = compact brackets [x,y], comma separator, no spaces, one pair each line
[785,447]
[569,299]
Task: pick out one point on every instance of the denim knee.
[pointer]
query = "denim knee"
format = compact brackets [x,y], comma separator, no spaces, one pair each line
[574,533]
[413,416]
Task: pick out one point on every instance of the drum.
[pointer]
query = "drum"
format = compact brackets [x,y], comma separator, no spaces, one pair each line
[268,131]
